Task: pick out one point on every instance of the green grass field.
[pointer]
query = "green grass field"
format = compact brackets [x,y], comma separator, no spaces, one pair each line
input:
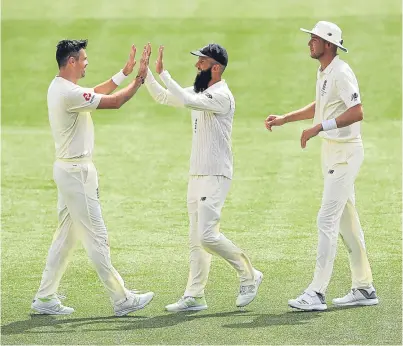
[142,153]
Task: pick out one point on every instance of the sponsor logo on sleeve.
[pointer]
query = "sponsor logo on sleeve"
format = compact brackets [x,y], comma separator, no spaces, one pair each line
[87,96]
[354,97]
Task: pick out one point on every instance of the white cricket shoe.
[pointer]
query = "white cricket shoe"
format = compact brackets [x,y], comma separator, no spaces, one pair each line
[188,304]
[133,302]
[51,305]
[358,296]
[248,292]
[309,301]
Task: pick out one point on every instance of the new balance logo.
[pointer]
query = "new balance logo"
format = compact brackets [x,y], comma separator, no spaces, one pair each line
[203,199]
[354,97]
[367,295]
[331,171]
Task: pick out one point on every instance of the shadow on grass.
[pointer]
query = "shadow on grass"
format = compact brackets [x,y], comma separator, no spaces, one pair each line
[287,318]
[247,319]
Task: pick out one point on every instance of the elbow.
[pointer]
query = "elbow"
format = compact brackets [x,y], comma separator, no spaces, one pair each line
[360,115]
[117,103]
[357,113]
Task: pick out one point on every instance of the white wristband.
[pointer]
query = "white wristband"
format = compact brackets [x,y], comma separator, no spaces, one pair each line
[119,77]
[329,125]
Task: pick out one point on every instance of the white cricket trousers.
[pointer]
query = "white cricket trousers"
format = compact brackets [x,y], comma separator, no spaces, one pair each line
[341,163]
[80,218]
[205,199]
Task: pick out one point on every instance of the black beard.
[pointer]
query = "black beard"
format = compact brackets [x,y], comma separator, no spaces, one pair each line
[201,81]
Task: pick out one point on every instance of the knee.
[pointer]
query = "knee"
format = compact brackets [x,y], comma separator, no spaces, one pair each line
[208,240]
[208,220]
[325,221]
[209,236]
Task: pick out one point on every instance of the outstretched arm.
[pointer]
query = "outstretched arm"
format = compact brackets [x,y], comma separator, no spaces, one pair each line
[307,112]
[212,102]
[83,99]
[159,93]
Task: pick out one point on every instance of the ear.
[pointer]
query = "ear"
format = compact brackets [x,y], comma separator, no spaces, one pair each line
[71,60]
[216,68]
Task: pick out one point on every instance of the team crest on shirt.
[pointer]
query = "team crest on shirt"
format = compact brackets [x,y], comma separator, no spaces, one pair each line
[87,96]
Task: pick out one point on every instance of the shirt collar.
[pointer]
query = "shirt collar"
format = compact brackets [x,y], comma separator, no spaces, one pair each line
[217,85]
[330,67]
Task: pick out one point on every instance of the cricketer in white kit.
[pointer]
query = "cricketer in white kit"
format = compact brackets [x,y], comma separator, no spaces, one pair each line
[79,209]
[211,168]
[337,114]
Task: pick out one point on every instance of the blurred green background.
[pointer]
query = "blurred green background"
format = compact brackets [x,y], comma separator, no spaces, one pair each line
[142,156]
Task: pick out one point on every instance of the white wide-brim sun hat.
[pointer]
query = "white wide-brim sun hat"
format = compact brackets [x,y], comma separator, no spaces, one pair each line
[330,32]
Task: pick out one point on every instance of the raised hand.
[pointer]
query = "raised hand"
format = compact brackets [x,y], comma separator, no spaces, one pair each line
[148,52]
[131,62]
[145,58]
[159,64]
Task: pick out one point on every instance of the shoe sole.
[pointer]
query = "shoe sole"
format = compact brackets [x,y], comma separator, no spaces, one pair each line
[191,308]
[367,302]
[259,281]
[134,308]
[321,307]
[49,312]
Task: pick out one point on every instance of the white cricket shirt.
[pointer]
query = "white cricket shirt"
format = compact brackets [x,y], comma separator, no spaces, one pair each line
[336,91]
[69,107]
[212,116]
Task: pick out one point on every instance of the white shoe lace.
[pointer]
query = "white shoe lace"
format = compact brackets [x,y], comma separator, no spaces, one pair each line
[247,289]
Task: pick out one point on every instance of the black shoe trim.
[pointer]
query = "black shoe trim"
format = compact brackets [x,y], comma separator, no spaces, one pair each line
[321,297]
[367,295]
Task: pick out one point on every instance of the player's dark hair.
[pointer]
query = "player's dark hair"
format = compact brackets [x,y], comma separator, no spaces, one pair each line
[67,48]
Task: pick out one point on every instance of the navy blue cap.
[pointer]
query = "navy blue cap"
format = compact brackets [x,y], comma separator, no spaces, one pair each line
[214,51]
